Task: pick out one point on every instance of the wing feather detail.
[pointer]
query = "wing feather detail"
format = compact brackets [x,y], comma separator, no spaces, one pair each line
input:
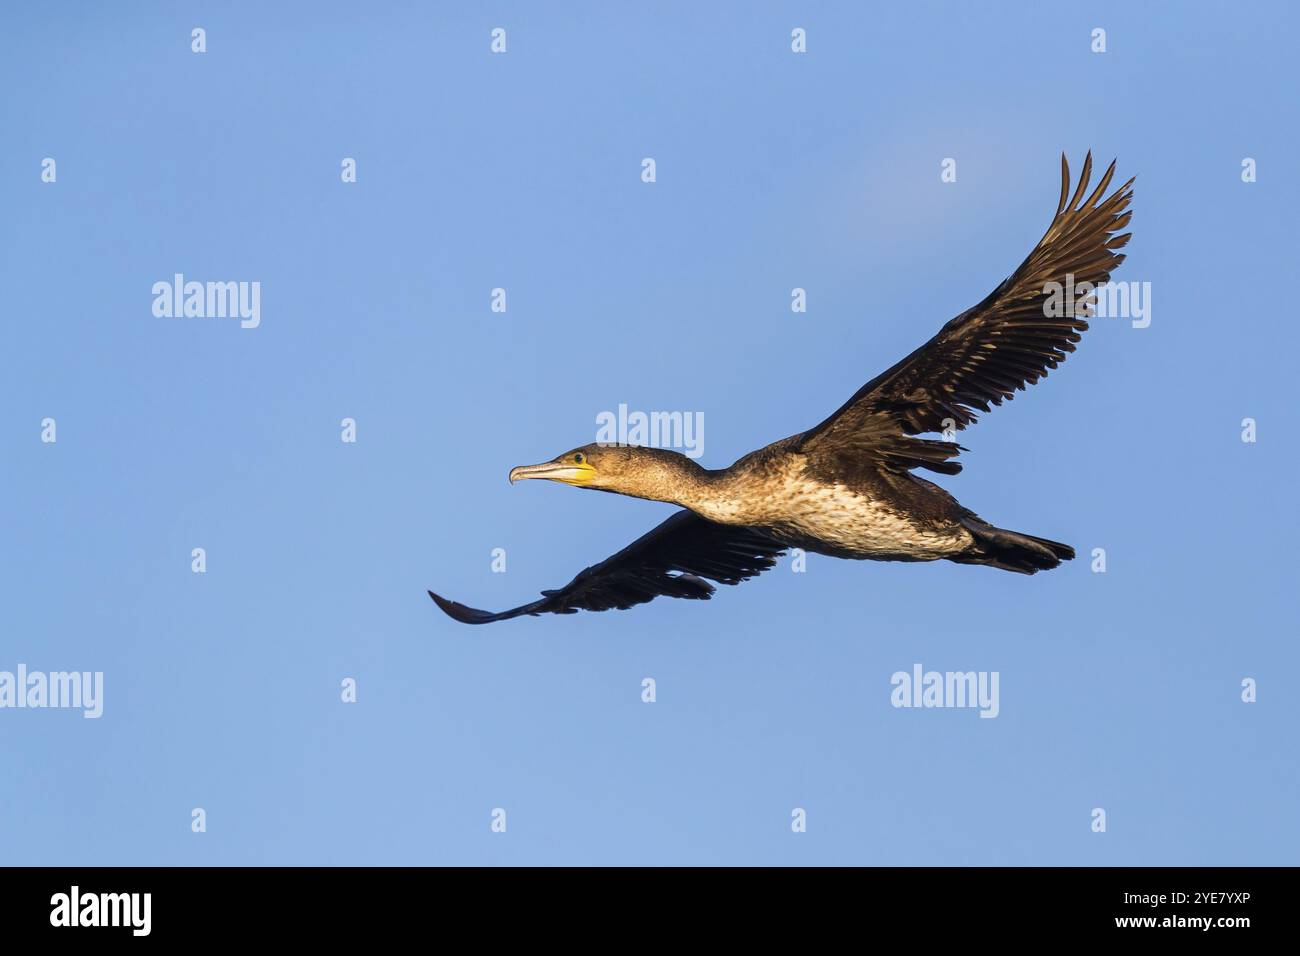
[678,558]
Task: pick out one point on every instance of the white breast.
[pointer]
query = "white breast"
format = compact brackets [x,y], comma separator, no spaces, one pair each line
[841,518]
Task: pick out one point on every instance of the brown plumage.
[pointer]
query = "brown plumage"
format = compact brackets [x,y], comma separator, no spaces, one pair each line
[846,487]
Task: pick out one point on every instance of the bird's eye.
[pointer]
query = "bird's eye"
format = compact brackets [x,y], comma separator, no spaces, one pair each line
[578,458]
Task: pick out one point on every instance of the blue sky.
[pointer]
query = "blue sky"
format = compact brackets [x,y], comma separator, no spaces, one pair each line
[522,171]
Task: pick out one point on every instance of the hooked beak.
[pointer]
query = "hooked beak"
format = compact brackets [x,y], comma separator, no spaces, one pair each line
[567,472]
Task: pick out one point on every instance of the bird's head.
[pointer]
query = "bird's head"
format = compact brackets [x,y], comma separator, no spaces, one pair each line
[623,469]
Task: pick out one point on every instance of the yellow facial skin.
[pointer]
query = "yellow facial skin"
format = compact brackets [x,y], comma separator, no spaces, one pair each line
[566,470]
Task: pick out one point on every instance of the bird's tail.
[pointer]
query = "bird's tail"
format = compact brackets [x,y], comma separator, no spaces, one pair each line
[1010,550]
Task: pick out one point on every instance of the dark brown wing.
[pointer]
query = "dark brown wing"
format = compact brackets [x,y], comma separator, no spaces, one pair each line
[671,560]
[987,353]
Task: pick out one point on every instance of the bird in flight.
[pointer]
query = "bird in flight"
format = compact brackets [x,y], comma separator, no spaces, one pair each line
[847,487]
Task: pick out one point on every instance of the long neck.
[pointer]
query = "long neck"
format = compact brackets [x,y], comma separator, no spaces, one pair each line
[681,481]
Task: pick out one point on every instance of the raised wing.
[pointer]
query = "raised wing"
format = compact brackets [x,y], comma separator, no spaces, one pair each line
[989,352]
[672,560]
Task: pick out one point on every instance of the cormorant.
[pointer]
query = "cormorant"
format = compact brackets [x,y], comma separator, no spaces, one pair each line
[846,487]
